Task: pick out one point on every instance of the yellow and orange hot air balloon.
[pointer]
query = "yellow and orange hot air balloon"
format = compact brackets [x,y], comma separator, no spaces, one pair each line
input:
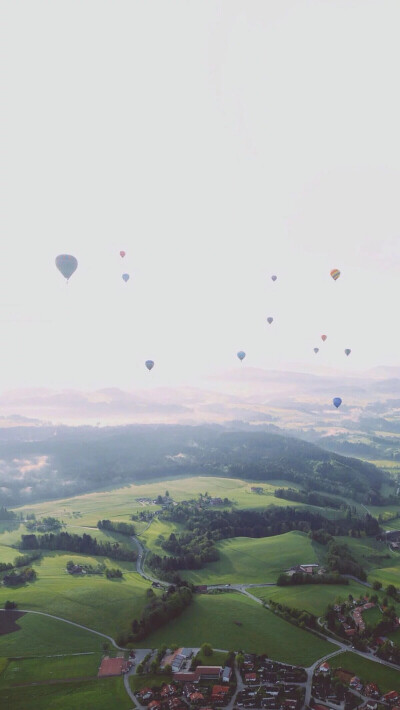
[335,273]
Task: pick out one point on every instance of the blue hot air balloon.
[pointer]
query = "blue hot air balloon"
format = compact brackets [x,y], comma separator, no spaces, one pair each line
[149,364]
[347,351]
[316,350]
[125,277]
[337,401]
[270,320]
[274,277]
[66,264]
[241,355]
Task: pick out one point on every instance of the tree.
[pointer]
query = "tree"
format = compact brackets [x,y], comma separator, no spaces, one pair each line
[10,605]
[207,649]
[168,669]
[140,669]
[167,494]
[391,590]
[240,660]
[106,646]
[377,585]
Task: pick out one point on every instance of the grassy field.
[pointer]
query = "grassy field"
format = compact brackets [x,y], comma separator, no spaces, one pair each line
[100,694]
[249,560]
[34,670]
[376,558]
[211,618]
[120,503]
[217,658]
[372,617]
[92,600]
[40,635]
[386,678]
[157,530]
[311,598]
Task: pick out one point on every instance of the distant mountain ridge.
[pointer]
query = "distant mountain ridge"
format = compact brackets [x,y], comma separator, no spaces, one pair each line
[63,461]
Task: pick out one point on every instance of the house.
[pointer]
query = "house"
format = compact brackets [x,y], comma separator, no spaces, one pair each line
[196,697]
[154,705]
[226,674]
[355,682]
[371,705]
[309,568]
[113,666]
[175,704]
[208,672]
[324,667]
[186,653]
[250,677]
[216,501]
[178,662]
[219,690]
[146,696]
[256,489]
[76,569]
[201,589]
[188,689]
[167,691]
[186,677]
[372,690]
[392,697]
[169,660]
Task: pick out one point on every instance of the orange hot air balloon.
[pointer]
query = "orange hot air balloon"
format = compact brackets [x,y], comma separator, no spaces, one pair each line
[122,253]
[335,273]
[324,337]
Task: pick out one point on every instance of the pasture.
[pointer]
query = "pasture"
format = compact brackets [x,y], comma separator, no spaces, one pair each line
[36,670]
[211,619]
[40,635]
[247,560]
[379,562]
[92,600]
[386,678]
[312,598]
[101,694]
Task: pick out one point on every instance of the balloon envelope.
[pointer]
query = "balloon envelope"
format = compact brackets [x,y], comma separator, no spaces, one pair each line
[335,273]
[241,355]
[274,277]
[316,350]
[347,351]
[149,364]
[270,320]
[125,277]
[337,401]
[66,264]
[324,337]
[122,253]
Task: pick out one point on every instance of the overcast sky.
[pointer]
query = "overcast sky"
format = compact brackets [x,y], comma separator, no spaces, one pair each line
[217,143]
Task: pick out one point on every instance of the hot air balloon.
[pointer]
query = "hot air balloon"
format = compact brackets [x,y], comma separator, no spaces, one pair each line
[337,402]
[335,273]
[347,351]
[122,253]
[324,337]
[66,264]
[241,355]
[274,277]
[270,320]
[149,364]
[125,277]
[316,350]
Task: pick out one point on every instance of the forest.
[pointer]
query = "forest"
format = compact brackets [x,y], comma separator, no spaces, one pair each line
[83,544]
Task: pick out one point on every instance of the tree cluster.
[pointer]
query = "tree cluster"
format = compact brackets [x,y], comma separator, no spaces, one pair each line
[341,561]
[83,544]
[159,610]
[120,527]
[15,578]
[285,580]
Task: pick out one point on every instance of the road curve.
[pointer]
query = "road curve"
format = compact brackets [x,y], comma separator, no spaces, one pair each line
[73,623]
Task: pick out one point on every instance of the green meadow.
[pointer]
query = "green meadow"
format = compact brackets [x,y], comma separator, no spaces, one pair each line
[120,503]
[379,562]
[369,671]
[40,635]
[312,598]
[256,560]
[36,670]
[211,619]
[101,694]
[92,600]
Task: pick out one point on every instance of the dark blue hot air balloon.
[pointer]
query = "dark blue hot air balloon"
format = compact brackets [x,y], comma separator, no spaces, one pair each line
[149,364]
[66,264]
[241,355]
[125,277]
[337,401]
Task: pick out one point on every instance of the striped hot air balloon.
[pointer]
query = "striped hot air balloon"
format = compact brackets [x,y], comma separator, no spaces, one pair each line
[335,273]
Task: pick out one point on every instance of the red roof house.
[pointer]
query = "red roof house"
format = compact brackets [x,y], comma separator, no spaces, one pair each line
[250,677]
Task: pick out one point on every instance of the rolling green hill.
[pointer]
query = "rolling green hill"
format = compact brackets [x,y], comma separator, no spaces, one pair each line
[252,560]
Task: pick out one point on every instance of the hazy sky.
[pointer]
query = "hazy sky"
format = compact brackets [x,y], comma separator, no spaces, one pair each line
[217,142]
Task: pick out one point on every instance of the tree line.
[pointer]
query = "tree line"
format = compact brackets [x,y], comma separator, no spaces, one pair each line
[84,544]
[120,527]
